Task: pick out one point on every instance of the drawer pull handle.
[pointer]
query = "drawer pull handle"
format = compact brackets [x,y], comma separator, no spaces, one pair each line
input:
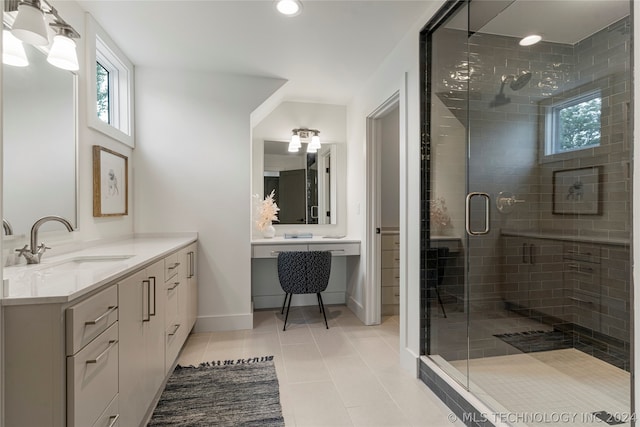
[396,277]
[336,250]
[397,295]
[175,285]
[571,251]
[275,252]
[581,300]
[114,419]
[173,267]
[101,355]
[175,330]
[110,310]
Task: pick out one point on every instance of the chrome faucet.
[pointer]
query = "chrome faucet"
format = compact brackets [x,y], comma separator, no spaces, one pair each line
[34,253]
[6,225]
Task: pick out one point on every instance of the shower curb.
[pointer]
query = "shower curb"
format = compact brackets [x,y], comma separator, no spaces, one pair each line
[467,408]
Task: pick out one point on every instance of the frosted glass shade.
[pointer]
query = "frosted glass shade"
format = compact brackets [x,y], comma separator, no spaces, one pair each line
[30,26]
[295,141]
[63,53]
[315,143]
[13,51]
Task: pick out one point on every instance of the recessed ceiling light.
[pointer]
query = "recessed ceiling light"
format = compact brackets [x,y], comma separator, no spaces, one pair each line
[289,7]
[530,40]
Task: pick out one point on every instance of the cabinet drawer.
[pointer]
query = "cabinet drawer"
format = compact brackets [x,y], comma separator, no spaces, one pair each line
[390,259]
[92,378]
[582,252]
[170,266]
[272,251]
[172,301]
[173,344]
[89,318]
[390,241]
[391,295]
[339,249]
[390,277]
[110,417]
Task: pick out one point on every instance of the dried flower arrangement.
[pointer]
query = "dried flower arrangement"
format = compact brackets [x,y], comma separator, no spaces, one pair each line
[438,213]
[266,210]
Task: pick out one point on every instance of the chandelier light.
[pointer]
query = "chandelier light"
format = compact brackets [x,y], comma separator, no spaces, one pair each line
[303,133]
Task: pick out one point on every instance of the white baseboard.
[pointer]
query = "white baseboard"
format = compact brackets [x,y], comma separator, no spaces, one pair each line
[231,322]
[357,309]
[275,301]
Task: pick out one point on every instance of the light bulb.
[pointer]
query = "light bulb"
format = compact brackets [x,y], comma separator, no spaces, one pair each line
[13,51]
[30,26]
[530,40]
[63,53]
[289,7]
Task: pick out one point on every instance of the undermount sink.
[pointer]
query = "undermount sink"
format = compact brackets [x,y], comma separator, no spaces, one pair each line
[85,263]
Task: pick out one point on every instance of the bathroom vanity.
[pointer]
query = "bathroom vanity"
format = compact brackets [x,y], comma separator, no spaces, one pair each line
[91,336]
[265,286]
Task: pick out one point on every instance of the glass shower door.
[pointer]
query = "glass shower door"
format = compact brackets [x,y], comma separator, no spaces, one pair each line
[548,211]
[527,172]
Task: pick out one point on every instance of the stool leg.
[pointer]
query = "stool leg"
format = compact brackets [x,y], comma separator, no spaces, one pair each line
[284,303]
[319,303]
[323,311]
[287,316]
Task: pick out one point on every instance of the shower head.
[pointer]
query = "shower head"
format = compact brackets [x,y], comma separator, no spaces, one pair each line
[515,83]
[518,82]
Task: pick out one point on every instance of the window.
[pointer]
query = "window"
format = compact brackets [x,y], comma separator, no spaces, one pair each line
[573,124]
[110,83]
[102,93]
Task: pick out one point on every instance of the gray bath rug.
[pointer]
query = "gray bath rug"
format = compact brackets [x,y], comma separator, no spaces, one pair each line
[241,392]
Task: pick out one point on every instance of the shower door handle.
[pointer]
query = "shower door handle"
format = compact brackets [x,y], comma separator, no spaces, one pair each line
[467,213]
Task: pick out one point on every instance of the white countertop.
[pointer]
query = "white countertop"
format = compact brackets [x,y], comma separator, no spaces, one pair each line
[40,283]
[280,240]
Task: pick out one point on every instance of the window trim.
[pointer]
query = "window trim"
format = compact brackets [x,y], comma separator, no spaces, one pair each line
[566,98]
[101,48]
[552,121]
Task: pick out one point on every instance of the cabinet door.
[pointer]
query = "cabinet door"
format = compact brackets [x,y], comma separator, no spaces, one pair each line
[133,297]
[141,301]
[154,330]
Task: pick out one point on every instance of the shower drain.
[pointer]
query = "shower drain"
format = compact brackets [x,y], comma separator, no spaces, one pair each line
[608,418]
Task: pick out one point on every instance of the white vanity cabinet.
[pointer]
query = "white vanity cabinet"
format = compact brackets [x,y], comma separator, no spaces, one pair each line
[100,359]
[142,353]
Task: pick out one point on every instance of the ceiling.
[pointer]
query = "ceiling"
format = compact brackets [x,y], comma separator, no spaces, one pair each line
[326,53]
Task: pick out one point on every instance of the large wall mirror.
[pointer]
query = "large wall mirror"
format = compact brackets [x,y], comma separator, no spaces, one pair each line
[305,184]
[39,142]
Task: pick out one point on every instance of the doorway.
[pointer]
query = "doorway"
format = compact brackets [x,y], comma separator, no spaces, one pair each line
[383,219]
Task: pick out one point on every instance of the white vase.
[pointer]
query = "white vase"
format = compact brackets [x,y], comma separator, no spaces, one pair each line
[269,232]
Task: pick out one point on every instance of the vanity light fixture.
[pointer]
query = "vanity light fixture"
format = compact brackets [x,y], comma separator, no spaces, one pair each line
[314,145]
[295,143]
[303,133]
[530,40]
[30,26]
[13,51]
[63,50]
[289,7]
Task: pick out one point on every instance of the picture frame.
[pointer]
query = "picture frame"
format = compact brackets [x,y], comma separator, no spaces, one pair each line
[577,191]
[110,183]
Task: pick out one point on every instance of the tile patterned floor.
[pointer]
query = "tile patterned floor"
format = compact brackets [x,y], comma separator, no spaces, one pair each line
[348,375]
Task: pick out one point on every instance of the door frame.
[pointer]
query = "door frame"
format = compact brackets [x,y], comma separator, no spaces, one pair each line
[373,292]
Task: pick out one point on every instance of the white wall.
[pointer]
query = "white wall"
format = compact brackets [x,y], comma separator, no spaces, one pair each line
[390,169]
[192,173]
[390,78]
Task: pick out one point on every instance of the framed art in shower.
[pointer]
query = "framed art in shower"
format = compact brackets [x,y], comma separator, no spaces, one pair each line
[577,191]
[110,183]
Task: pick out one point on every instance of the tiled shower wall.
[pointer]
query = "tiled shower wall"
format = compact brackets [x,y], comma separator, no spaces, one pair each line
[506,141]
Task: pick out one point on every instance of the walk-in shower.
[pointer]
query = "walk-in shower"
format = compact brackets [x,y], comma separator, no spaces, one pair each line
[537,296]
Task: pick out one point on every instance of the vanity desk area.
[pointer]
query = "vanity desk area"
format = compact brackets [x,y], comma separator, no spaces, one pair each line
[265,286]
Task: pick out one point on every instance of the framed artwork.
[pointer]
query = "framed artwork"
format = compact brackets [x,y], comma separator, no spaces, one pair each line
[110,183]
[577,191]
